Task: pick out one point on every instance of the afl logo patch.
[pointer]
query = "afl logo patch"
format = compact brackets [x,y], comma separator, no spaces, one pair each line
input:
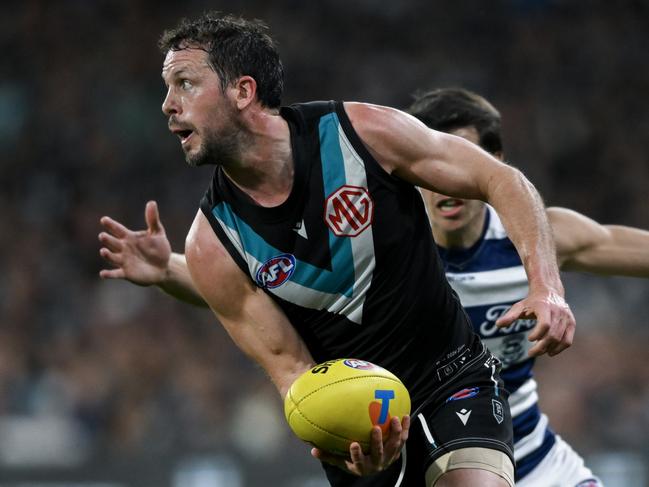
[275,271]
[359,364]
[349,211]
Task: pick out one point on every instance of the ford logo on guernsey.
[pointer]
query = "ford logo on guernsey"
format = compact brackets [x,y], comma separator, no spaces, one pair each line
[275,271]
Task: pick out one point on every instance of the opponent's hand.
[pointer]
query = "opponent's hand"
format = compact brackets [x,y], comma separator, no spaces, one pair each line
[555,323]
[141,256]
[380,456]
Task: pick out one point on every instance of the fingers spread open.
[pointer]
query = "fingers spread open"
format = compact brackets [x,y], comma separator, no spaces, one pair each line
[357,459]
[152,217]
[380,454]
[114,258]
[112,243]
[112,273]
[405,428]
[376,446]
[114,227]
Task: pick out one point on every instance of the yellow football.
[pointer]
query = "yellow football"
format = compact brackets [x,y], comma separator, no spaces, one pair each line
[339,401]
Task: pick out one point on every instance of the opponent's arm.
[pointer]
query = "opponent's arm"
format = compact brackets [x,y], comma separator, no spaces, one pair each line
[144,257]
[587,246]
[447,164]
[261,330]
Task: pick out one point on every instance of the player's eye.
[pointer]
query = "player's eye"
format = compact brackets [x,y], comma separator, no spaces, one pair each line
[185,84]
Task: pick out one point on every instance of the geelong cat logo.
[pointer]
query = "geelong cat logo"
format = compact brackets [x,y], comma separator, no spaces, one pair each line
[349,211]
[275,271]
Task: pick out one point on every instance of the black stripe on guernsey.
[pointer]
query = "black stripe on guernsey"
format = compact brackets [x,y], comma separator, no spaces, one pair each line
[526,464]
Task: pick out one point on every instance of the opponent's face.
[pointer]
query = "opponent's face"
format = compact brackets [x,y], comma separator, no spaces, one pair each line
[454,215]
[199,112]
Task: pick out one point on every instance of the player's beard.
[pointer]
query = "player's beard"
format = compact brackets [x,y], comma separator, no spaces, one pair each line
[220,146]
[215,149]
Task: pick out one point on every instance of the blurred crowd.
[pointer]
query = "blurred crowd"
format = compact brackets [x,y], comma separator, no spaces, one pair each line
[113,371]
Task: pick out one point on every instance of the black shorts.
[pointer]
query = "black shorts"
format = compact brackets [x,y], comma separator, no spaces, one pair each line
[468,410]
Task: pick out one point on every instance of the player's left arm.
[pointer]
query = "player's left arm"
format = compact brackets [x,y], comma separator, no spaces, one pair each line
[447,164]
[588,246]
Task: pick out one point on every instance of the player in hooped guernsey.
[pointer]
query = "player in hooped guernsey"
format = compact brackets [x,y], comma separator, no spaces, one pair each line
[489,278]
[485,270]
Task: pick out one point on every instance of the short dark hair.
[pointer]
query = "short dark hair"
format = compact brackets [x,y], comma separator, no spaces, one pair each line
[448,109]
[235,47]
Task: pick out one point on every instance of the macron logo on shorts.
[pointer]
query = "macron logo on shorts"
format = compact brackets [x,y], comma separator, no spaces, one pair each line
[463,414]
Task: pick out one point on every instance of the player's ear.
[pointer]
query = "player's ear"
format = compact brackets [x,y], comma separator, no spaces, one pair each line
[245,91]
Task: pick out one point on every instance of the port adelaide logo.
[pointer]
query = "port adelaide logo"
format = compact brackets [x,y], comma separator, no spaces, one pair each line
[498,410]
[349,211]
[275,271]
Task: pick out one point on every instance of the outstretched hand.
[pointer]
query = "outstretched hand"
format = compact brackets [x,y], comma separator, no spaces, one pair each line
[380,456]
[140,256]
[555,324]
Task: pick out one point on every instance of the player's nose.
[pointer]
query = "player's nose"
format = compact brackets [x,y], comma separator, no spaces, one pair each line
[170,104]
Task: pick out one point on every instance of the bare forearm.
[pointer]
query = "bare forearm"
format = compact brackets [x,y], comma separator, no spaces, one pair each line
[291,372]
[256,324]
[263,333]
[523,214]
[619,251]
[178,282]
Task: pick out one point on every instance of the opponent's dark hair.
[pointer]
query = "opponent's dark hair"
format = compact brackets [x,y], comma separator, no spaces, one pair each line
[235,47]
[448,109]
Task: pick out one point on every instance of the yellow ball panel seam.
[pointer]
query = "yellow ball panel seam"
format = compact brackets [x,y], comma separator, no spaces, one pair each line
[329,384]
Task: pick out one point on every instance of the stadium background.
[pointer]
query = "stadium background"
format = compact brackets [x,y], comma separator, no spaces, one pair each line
[105,384]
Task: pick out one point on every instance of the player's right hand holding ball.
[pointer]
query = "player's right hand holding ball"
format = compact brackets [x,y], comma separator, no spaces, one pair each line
[381,454]
[355,414]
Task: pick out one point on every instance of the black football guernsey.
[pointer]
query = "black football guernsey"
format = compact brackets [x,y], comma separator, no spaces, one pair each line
[349,256]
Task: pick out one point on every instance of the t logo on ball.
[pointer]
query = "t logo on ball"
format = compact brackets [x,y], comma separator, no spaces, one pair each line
[380,411]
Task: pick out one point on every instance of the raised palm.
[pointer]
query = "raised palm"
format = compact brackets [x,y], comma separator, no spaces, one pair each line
[140,256]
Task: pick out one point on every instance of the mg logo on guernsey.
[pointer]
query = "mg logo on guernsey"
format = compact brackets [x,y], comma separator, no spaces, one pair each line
[275,271]
[349,211]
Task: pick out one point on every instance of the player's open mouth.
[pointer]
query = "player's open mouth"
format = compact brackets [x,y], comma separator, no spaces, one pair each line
[449,207]
[184,135]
